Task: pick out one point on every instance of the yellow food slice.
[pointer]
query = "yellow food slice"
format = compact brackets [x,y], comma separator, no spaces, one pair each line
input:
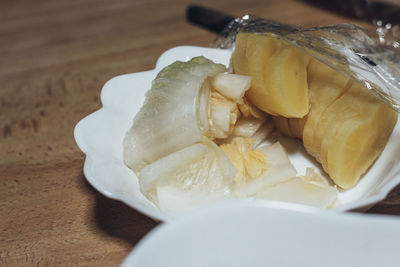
[341,124]
[326,85]
[285,78]
[252,52]
[358,135]
[279,85]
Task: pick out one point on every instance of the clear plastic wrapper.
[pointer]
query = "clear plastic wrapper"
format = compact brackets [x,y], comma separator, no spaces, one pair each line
[370,58]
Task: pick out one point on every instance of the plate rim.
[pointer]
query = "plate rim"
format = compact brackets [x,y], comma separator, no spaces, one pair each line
[157,215]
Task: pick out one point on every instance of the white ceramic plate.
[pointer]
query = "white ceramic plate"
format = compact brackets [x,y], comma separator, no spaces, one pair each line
[100,136]
[261,233]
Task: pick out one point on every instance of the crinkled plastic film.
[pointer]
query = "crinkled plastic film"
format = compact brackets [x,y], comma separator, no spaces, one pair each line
[370,58]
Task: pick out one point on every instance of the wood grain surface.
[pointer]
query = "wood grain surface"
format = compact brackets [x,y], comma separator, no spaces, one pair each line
[55,57]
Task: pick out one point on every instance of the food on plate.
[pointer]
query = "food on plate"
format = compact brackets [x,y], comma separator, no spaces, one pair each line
[197,174]
[344,126]
[266,173]
[326,86]
[356,135]
[198,138]
[249,163]
[257,168]
[279,71]
[310,189]
[231,86]
[199,135]
[169,120]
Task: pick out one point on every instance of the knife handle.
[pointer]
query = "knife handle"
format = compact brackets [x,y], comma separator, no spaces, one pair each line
[209,19]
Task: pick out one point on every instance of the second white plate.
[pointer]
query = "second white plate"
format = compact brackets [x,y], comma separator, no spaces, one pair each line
[261,233]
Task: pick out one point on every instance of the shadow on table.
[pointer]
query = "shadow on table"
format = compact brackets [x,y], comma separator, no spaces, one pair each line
[390,205]
[117,219]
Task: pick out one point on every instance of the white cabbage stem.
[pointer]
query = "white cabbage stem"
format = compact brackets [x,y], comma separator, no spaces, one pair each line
[200,170]
[247,127]
[232,86]
[168,120]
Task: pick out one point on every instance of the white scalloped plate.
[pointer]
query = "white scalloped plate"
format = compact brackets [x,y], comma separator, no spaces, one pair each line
[270,235]
[100,136]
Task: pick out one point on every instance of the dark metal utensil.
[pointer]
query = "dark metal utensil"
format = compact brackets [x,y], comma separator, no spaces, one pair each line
[209,19]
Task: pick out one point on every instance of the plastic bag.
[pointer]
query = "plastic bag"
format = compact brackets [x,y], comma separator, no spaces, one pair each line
[371,58]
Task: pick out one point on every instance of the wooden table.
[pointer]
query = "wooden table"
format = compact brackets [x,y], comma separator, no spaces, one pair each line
[54,58]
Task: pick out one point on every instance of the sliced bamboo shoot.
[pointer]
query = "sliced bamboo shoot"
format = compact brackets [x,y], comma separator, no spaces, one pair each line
[326,85]
[279,85]
[358,135]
